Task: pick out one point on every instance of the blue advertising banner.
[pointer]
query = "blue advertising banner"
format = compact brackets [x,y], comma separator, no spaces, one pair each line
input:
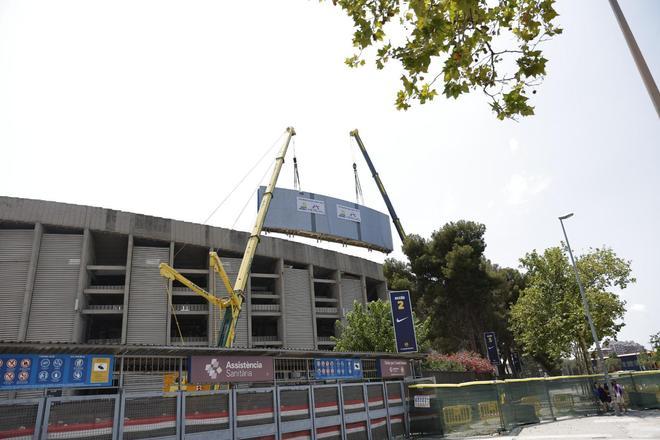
[402,320]
[21,371]
[491,348]
[334,368]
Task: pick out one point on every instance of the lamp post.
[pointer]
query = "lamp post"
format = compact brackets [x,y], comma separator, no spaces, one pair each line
[585,304]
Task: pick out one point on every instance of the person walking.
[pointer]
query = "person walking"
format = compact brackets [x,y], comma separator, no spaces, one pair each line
[619,401]
[602,396]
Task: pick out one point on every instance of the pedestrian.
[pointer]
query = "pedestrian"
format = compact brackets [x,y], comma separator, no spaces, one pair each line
[602,396]
[608,397]
[619,402]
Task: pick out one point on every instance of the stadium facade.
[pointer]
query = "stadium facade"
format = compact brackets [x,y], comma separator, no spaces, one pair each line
[74,274]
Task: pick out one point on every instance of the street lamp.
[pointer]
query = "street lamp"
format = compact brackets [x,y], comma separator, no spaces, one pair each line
[584,300]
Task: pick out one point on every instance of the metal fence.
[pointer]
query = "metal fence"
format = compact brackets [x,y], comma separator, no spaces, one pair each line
[488,407]
[347,411]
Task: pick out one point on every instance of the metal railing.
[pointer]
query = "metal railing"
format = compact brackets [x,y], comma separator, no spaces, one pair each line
[104,307]
[371,411]
[265,307]
[191,307]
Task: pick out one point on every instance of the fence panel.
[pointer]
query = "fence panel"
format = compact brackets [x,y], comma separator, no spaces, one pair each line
[295,415]
[644,390]
[149,415]
[21,418]
[572,396]
[395,409]
[356,418]
[378,419]
[327,415]
[206,415]
[255,413]
[80,417]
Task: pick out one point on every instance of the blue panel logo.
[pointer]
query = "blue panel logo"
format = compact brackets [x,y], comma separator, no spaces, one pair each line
[23,371]
[337,368]
[402,320]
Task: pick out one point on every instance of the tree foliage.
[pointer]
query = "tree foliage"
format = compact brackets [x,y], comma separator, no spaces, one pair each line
[655,342]
[548,318]
[458,288]
[369,329]
[467,45]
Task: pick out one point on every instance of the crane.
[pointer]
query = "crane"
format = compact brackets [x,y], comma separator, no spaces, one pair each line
[233,303]
[381,188]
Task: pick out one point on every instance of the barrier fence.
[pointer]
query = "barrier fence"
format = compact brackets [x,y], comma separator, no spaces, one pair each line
[488,407]
[347,411]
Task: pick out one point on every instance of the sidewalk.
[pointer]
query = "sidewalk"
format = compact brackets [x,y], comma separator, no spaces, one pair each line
[634,425]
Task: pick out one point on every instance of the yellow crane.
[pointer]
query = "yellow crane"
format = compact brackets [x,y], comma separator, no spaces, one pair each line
[232,304]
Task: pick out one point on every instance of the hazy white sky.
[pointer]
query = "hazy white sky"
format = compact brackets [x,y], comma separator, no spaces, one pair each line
[159,107]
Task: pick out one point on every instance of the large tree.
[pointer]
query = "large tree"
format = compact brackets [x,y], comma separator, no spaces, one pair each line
[487,45]
[369,329]
[548,318]
[458,288]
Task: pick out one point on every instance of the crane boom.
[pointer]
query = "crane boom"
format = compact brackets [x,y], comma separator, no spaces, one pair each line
[381,188]
[232,305]
[231,315]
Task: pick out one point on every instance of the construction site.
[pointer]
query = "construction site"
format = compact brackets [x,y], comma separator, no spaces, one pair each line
[109,311]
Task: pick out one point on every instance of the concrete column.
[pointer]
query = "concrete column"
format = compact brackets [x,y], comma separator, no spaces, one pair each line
[279,286]
[127,288]
[363,286]
[312,296]
[340,301]
[168,319]
[79,303]
[29,285]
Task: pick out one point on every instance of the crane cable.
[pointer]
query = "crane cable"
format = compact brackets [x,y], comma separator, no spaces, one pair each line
[169,301]
[240,182]
[296,175]
[359,197]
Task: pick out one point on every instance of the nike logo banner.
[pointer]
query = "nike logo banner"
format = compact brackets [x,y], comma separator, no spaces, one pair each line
[402,320]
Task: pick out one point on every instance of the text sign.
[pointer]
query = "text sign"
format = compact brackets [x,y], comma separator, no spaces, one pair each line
[224,369]
[422,401]
[402,319]
[393,368]
[491,348]
[333,368]
[20,371]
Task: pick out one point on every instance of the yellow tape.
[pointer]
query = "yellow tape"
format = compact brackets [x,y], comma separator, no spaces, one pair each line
[531,379]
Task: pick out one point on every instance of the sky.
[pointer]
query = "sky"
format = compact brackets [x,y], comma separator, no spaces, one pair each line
[161,107]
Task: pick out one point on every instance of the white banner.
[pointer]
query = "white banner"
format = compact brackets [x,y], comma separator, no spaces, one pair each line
[311,205]
[422,401]
[348,213]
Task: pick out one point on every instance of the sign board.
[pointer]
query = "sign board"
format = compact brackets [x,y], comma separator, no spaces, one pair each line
[393,368]
[334,368]
[224,369]
[422,401]
[402,320]
[23,371]
[517,363]
[327,218]
[491,348]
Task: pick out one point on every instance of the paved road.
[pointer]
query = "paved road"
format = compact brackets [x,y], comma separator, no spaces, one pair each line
[634,425]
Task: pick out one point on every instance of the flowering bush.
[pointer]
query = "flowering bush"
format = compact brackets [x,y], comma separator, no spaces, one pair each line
[461,361]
